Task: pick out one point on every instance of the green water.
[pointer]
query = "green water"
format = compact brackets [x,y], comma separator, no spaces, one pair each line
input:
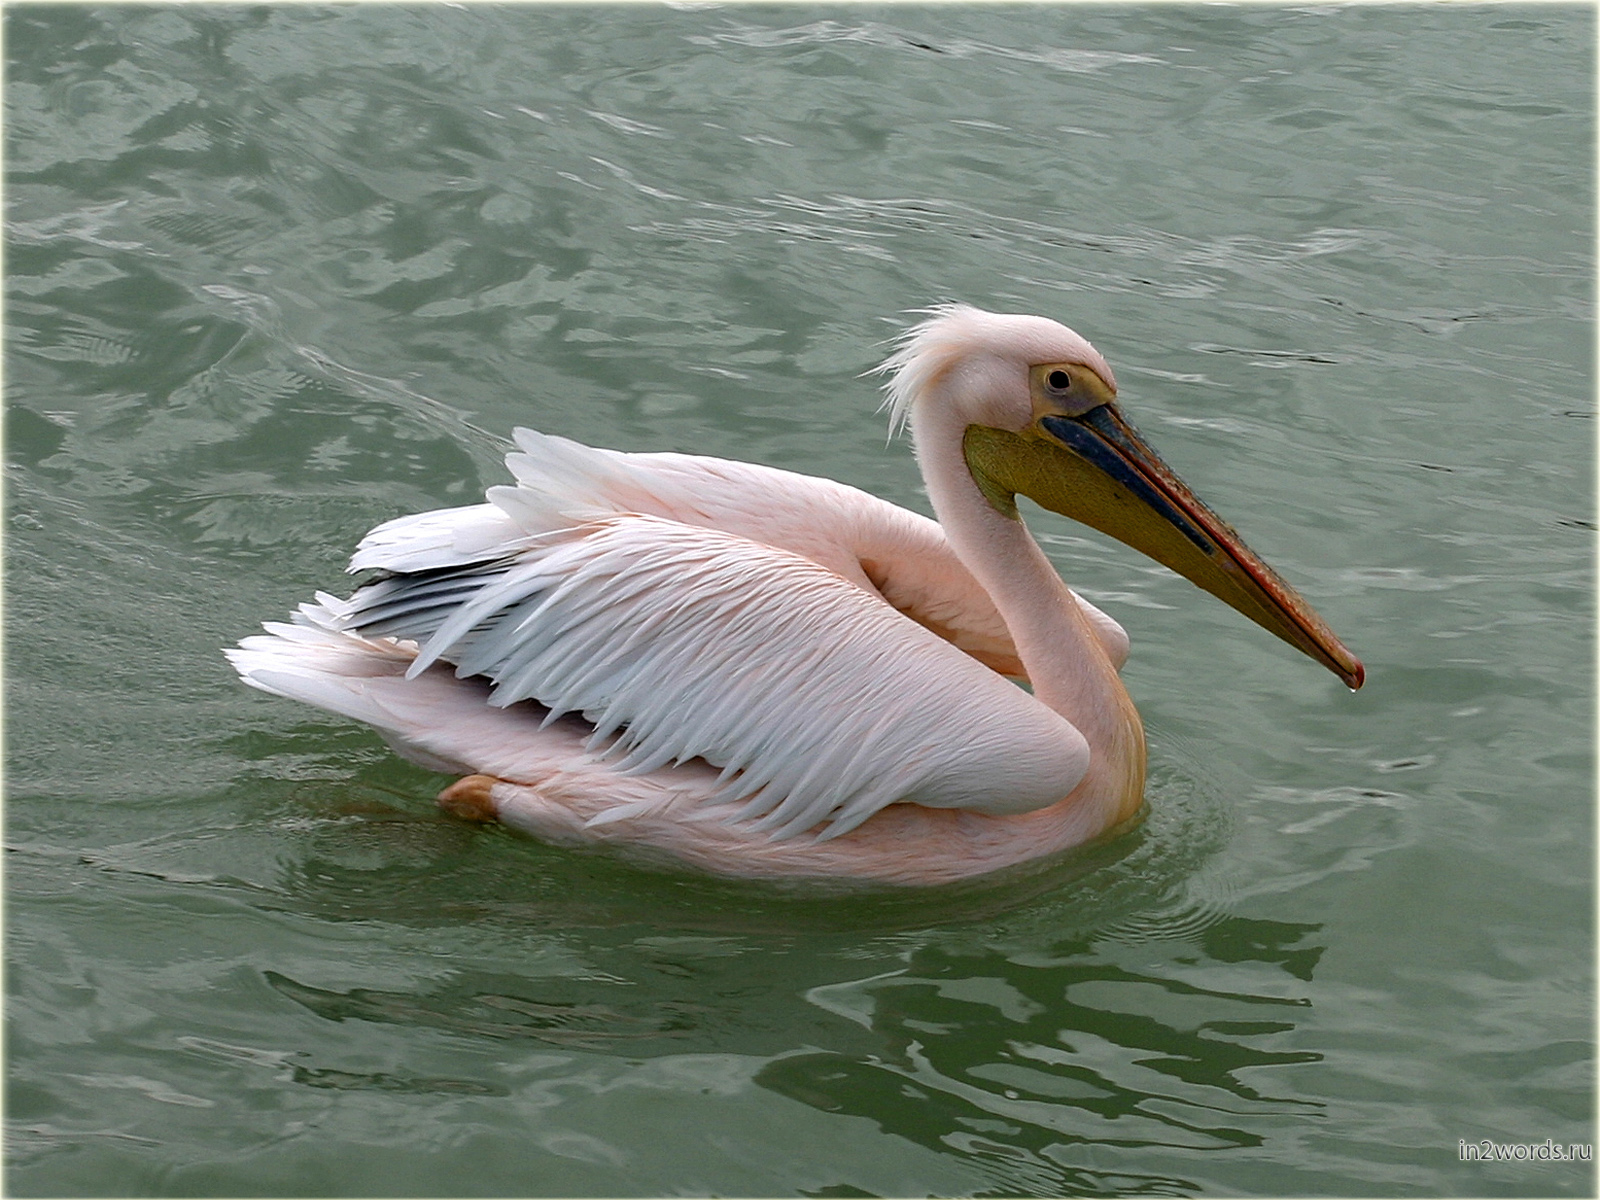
[275,274]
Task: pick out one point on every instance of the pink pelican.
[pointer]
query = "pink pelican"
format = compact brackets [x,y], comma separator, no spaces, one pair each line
[765,674]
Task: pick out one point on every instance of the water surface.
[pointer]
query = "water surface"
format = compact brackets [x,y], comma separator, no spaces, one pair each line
[275,274]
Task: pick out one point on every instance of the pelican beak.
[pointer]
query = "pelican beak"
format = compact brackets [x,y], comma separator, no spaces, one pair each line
[1092,465]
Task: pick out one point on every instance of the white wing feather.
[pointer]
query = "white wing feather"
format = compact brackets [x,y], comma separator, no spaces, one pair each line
[820,703]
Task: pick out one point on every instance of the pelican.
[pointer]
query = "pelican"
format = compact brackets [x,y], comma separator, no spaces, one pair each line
[765,674]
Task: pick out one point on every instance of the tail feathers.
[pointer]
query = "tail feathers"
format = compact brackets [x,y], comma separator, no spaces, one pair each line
[435,720]
[313,661]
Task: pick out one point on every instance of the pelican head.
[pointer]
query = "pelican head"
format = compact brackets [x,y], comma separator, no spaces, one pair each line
[1037,410]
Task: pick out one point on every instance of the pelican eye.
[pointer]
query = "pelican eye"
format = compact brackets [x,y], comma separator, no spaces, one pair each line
[1059,381]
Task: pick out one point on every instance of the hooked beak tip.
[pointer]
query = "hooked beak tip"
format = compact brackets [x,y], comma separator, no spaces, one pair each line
[1157,514]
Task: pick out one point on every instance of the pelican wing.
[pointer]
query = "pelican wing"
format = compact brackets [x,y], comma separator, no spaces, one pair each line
[820,703]
[886,550]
